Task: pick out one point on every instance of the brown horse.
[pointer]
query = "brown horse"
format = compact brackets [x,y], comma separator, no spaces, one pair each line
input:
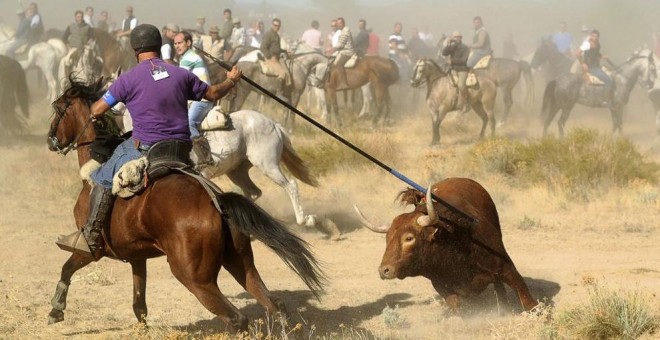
[380,72]
[113,54]
[13,90]
[175,217]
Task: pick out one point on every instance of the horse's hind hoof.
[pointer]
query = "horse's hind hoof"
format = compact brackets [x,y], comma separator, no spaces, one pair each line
[55,316]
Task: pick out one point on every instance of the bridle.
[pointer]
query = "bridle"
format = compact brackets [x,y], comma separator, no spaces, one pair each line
[54,142]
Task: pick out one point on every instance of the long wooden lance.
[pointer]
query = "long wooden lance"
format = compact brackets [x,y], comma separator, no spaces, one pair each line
[452,214]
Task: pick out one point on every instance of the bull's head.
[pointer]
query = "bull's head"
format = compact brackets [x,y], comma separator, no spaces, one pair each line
[407,237]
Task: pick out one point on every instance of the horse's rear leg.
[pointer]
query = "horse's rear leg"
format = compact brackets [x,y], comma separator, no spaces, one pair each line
[139,268]
[549,116]
[73,264]
[240,264]
[205,288]
[478,108]
[565,112]
[508,102]
[241,177]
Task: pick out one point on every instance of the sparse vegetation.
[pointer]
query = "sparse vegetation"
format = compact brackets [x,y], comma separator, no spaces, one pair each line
[327,155]
[578,165]
[528,223]
[609,314]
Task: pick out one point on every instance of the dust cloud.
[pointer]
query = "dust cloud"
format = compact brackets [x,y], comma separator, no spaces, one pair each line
[624,25]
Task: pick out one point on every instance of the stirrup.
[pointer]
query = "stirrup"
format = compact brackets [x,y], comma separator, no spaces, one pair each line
[74,243]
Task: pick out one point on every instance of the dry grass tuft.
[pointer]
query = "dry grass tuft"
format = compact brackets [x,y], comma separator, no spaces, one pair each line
[609,314]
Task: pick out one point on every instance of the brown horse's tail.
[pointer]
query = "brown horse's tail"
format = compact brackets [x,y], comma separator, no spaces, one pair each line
[549,101]
[248,218]
[529,82]
[22,93]
[295,164]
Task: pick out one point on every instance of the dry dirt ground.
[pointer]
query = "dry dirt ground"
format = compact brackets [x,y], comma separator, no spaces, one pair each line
[614,238]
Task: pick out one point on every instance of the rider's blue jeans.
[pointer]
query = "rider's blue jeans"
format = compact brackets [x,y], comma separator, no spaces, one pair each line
[196,114]
[124,153]
[600,74]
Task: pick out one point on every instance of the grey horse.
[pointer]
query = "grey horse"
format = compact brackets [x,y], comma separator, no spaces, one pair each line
[441,95]
[569,89]
[551,60]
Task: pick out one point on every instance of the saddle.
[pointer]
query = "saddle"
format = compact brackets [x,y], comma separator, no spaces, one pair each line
[161,159]
[482,63]
[352,62]
[588,77]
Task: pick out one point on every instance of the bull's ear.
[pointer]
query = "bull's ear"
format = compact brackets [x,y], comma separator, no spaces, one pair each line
[432,233]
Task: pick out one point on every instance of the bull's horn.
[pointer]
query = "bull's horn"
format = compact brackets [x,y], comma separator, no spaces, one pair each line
[432,217]
[379,229]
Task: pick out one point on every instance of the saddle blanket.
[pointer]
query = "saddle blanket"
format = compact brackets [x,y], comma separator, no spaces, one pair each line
[471,80]
[483,62]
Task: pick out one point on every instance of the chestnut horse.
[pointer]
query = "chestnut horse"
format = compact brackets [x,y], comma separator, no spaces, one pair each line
[176,217]
[380,72]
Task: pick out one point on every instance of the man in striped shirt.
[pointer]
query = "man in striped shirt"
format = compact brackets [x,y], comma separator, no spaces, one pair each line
[343,51]
[197,110]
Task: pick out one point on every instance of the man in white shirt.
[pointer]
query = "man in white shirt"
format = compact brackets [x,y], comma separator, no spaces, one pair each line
[89,16]
[313,37]
[127,25]
[167,50]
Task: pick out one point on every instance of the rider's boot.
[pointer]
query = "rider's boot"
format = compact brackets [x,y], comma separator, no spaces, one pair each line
[202,150]
[101,201]
[463,101]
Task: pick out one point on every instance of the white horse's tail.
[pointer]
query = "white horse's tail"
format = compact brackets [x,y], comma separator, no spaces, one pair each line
[294,163]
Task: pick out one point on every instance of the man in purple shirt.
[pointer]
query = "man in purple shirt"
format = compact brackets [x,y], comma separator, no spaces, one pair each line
[563,39]
[156,94]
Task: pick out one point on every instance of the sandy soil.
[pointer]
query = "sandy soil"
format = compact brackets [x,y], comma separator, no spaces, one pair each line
[613,238]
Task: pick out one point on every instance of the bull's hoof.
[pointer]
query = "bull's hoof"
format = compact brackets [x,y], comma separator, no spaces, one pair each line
[55,316]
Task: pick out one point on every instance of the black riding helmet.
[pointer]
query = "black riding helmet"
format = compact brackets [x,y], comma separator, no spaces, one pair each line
[146,38]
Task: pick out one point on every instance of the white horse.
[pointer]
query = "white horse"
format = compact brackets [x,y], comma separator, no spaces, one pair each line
[46,57]
[43,55]
[252,138]
[255,139]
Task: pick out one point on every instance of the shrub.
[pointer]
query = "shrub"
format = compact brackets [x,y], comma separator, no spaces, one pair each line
[609,314]
[583,161]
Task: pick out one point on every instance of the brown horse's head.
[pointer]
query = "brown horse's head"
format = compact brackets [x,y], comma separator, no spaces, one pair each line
[71,119]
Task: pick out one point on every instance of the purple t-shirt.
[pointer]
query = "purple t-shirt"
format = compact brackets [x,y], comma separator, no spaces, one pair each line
[159,108]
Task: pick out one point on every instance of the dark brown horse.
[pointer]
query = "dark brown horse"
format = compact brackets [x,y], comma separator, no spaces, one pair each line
[113,54]
[175,217]
[380,72]
[13,90]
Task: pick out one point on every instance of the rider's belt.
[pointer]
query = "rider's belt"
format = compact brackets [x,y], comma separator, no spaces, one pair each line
[140,146]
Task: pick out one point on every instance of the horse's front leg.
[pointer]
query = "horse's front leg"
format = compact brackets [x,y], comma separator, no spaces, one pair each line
[139,268]
[72,265]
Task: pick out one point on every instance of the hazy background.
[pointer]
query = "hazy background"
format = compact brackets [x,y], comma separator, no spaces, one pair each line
[624,25]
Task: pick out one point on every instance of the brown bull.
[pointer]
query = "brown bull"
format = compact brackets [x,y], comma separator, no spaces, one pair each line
[458,261]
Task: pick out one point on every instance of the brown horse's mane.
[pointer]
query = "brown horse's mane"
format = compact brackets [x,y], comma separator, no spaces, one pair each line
[78,89]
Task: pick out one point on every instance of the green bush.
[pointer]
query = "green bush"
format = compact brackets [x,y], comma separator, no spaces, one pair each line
[583,161]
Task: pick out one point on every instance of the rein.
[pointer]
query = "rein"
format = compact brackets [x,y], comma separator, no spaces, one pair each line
[74,144]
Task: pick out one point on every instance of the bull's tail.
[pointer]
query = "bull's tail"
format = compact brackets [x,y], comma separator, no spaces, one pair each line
[248,218]
[529,82]
[549,101]
[295,164]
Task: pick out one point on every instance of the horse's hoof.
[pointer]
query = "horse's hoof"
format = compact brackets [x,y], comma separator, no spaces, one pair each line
[55,316]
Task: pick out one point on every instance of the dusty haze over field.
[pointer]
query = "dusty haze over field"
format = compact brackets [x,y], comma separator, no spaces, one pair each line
[624,25]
